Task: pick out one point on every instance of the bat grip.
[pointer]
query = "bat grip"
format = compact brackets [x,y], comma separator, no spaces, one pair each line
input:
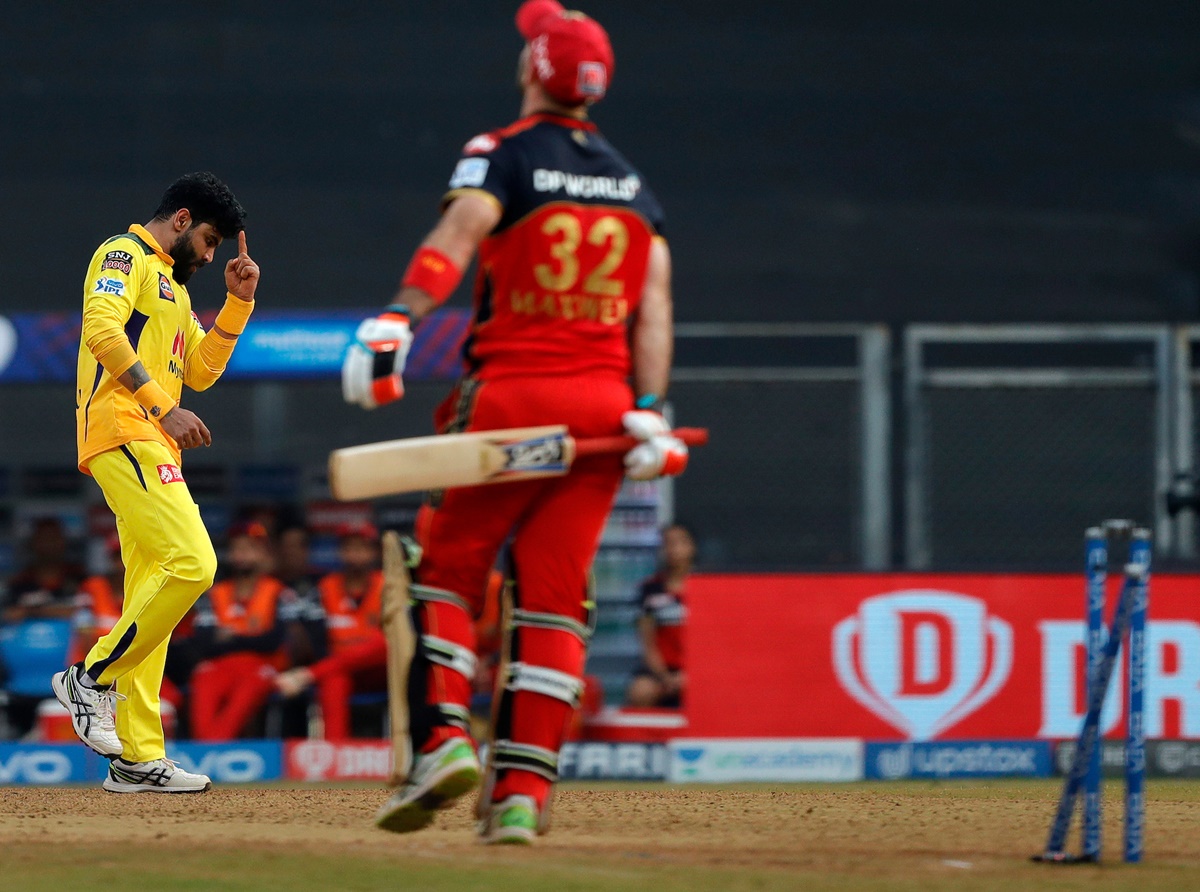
[589,446]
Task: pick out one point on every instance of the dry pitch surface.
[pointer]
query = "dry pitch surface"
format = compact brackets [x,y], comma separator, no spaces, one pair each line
[911,835]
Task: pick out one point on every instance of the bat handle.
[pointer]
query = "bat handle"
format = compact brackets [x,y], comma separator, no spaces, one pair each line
[589,446]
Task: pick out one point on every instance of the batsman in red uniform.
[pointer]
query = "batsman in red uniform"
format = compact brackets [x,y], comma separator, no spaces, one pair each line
[572,326]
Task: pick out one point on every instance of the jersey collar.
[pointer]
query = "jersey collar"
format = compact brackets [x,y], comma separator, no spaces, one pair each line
[144,234]
[561,121]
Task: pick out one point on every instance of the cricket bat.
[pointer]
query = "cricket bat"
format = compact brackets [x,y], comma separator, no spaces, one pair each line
[422,463]
[401,648]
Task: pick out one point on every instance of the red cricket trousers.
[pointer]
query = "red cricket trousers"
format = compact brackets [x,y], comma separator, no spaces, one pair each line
[227,692]
[555,524]
[359,667]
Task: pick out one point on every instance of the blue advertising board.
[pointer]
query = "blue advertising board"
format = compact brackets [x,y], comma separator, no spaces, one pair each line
[47,764]
[958,759]
[280,345]
[44,764]
[236,762]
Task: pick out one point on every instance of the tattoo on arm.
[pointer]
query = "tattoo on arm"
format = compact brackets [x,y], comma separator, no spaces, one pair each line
[134,377]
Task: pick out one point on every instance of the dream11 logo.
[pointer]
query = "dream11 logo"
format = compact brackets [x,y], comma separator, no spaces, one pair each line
[922,660]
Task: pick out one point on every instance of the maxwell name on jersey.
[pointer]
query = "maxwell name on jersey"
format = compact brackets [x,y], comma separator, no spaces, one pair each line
[605,310]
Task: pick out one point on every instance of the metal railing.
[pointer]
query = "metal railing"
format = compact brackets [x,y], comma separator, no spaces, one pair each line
[1100,364]
[811,356]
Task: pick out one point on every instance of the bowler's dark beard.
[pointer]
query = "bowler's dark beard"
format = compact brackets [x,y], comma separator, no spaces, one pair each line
[185,258]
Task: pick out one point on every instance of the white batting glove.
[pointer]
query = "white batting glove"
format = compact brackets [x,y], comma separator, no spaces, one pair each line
[660,454]
[375,361]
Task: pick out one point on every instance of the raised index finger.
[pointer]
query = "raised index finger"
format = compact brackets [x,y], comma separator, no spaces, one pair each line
[241,241]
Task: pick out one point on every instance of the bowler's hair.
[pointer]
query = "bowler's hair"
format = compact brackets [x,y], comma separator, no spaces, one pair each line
[209,201]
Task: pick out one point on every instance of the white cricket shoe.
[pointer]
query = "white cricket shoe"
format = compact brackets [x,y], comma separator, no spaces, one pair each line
[159,776]
[93,710]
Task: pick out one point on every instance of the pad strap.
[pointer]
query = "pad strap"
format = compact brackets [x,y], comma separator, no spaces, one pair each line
[448,654]
[541,680]
[508,754]
[535,620]
[429,593]
[456,715]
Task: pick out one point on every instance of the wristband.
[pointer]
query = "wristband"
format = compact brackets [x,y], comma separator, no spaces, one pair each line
[156,401]
[235,314]
[432,272]
[401,310]
[648,401]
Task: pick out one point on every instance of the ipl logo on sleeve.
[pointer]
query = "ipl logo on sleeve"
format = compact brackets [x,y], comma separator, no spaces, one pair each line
[922,660]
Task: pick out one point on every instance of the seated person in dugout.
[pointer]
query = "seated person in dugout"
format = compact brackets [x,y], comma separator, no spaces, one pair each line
[352,603]
[293,560]
[45,588]
[660,678]
[242,629]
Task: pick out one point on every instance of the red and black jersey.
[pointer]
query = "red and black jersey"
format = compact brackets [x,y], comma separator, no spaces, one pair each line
[561,275]
[668,610]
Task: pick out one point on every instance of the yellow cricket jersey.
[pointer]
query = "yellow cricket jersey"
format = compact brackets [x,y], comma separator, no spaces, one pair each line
[133,309]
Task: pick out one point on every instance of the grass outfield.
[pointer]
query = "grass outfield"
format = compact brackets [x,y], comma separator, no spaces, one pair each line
[903,835]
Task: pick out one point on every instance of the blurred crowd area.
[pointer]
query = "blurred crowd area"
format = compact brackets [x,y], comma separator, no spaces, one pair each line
[282,645]
[277,647]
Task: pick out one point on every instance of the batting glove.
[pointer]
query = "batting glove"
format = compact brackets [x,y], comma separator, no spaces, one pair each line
[375,361]
[660,454]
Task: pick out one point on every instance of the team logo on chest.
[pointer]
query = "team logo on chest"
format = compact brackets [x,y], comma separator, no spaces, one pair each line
[165,291]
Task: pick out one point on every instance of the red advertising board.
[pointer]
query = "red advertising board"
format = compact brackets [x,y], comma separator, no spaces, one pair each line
[922,656]
[323,760]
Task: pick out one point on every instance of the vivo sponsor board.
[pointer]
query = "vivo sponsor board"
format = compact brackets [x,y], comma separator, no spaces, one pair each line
[982,758]
[923,657]
[240,762]
[323,760]
[730,761]
[612,761]
[1164,758]
[46,764]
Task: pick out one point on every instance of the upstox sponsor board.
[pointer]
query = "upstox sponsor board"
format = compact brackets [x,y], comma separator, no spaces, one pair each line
[976,758]
[734,760]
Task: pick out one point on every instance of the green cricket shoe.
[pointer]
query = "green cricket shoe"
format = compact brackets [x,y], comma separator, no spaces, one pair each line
[437,779]
[513,822]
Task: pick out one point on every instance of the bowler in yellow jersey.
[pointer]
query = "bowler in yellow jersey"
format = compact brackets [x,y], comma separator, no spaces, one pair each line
[140,344]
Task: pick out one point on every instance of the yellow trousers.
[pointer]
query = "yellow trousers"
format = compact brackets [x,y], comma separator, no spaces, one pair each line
[169,563]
